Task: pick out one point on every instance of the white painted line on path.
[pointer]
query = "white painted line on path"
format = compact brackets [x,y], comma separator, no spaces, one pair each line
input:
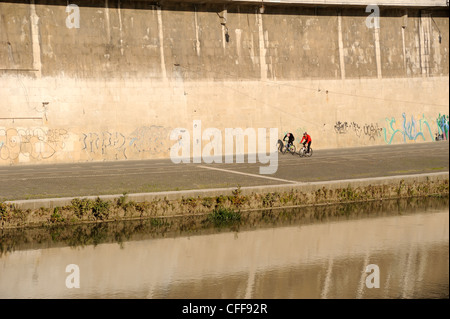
[251,175]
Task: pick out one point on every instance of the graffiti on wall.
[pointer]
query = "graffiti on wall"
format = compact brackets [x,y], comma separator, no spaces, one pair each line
[370,131]
[41,143]
[409,130]
[341,127]
[443,127]
[108,144]
[38,143]
[151,140]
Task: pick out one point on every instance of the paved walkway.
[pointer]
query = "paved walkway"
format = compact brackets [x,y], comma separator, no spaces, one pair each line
[102,178]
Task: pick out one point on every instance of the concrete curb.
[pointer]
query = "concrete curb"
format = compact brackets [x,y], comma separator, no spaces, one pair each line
[176,195]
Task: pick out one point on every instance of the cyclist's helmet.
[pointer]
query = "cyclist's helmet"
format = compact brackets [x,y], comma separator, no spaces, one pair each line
[305,133]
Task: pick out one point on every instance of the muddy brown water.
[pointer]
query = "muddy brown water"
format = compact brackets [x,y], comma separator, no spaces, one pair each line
[314,252]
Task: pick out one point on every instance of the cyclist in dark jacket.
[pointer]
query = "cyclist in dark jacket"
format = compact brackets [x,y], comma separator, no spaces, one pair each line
[308,140]
[291,139]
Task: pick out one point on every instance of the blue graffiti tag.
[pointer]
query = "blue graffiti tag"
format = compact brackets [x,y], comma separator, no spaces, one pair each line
[410,130]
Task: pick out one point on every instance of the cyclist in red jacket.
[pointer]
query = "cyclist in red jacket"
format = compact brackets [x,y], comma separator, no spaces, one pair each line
[308,140]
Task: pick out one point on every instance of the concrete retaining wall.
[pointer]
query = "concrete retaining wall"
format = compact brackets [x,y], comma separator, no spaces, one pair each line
[115,87]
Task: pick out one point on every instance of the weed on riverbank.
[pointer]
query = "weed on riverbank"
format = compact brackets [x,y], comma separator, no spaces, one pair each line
[223,209]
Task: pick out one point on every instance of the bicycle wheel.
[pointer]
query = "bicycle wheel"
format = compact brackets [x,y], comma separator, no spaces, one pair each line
[283,149]
[301,152]
[279,145]
[292,149]
[310,152]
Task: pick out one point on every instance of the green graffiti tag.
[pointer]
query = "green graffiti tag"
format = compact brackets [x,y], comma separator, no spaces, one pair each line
[443,127]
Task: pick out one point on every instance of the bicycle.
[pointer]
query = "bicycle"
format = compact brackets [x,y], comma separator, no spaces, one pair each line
[302,152]
[291,149]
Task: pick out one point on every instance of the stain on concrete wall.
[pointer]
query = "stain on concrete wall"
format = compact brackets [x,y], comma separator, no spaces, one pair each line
[123,39]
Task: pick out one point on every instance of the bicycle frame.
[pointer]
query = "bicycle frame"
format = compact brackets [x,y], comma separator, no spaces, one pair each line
[302,152]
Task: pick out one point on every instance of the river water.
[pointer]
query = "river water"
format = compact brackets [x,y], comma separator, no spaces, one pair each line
[401,247]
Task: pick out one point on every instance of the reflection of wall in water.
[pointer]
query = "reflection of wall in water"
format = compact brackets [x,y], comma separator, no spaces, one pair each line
[403,274]
[296,260]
